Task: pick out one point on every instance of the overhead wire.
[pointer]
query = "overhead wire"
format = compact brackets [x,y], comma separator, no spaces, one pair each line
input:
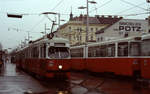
[133,4]
[95,9]
[137,14]
[57,5]
[130,8]
[124,10]
[37,24]
[138,6]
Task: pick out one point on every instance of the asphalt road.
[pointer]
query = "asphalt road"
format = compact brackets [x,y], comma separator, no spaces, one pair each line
[14,81]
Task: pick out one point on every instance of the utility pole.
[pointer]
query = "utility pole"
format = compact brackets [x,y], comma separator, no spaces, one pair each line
[87,25]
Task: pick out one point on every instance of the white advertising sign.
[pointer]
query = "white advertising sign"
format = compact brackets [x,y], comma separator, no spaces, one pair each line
[131,25]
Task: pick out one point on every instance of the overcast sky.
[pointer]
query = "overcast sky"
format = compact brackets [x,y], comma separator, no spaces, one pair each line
[34,22]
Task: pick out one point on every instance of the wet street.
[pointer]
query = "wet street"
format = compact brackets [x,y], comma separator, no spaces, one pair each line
[14,81]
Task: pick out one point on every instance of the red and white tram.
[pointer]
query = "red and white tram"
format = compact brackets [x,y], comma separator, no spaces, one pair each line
[1,58]
[45,57]
[145,56]
[127,57]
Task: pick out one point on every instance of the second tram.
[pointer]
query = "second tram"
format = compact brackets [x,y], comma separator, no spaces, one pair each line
[128,57]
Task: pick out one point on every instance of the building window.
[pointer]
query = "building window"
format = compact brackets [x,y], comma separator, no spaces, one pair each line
[101,38]
[80,37]
[96,29]
[69,37]
[97,39]
[92,37]
[70,28]
[78,29]
[91,29]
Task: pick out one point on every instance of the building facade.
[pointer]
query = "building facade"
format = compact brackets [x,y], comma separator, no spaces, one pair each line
[75,28]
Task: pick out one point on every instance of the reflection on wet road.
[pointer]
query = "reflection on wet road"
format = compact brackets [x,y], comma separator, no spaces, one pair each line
[87,84]
[14,81]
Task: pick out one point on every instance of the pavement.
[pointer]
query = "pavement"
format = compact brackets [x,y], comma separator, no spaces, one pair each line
[14,81]
[88,84]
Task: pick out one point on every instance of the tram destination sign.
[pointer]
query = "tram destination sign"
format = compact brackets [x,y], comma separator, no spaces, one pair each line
[131,25]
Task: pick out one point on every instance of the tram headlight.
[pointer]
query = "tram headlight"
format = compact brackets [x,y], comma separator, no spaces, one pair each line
[60,67]
[51,63]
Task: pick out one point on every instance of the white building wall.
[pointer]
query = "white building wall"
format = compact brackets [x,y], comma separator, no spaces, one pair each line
[130,27]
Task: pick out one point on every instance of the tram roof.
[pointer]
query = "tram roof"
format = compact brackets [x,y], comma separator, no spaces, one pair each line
[53,40]
[79,46]
[45,40]
[129,39]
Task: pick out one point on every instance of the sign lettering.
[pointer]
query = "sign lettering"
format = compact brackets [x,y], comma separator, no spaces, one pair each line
[129,28]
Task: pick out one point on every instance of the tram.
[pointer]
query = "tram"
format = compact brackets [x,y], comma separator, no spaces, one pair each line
[1,61]
[1,58]
[45,58]
[127,57]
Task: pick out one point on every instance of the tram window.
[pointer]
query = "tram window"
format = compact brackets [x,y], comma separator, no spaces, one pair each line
[123,49]
[35,52]
[90,52]
[77,52]
[145,48]
[52,53]
[43,51]
[97,51]
[111,50]
[29,53]
[135,49]
[58,52]
[64,52]
[26,51]
[93,51]
[103,50]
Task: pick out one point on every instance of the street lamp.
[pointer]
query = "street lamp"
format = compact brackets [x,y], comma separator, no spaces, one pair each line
[87,23]
[148,1]
[14,15]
